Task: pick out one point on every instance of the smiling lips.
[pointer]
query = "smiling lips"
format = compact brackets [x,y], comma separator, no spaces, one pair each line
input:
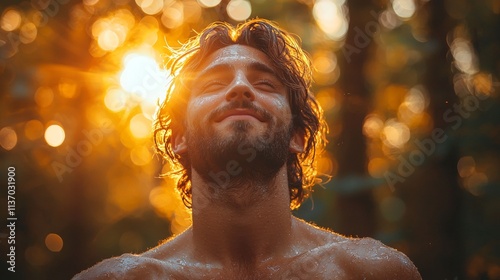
[240,112]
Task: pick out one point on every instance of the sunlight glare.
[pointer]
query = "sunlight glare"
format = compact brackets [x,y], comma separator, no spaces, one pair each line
[143,77]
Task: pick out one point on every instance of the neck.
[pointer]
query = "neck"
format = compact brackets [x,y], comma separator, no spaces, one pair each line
[233,226]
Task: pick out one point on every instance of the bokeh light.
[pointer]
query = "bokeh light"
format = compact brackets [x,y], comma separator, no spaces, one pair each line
[72,66]
[466,166]
[209,3]
[330,18]
[115,99]
[415,100]
[239,10]
[33,129]
[389,19]
[54,242]
[44,96]
[327,98]
[11,20]
[111,32]
[173,15]
[324,62]
[90,2]
[372,126]
[28,33]
[465,59]
[68,89]
[474,183]
[140,126]
[377,167]
[150,7]
[8,138]
[396,133]
[36,256]
[54,135]
[404,8]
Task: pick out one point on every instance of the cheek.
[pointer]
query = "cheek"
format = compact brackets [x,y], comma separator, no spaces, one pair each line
[281,107]
[199,108]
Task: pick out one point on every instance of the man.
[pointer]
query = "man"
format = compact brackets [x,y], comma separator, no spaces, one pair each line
[241,129]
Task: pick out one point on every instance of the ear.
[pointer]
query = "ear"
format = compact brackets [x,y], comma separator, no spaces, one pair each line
[179,146]
[297,143]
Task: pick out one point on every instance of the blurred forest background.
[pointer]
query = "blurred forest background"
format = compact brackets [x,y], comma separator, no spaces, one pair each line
[411,94]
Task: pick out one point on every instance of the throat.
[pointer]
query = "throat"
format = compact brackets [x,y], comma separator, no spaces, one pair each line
[245,224]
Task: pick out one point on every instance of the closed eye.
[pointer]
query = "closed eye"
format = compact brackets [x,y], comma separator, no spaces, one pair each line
[212,86]
[265,85]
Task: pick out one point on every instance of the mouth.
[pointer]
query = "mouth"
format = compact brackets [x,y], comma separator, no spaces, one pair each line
[240,114]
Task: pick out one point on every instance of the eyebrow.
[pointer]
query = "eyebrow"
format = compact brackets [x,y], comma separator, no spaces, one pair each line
[254,65]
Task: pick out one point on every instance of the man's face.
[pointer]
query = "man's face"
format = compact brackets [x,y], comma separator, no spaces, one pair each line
[238,116]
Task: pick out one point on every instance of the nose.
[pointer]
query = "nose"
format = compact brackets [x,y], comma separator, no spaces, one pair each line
[240,89]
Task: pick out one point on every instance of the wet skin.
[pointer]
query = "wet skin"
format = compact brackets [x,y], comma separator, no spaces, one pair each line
[247,231]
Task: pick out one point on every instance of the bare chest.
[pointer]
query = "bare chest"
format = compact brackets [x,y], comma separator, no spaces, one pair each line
[308,266]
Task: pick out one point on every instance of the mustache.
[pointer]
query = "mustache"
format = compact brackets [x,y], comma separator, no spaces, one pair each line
[263,114]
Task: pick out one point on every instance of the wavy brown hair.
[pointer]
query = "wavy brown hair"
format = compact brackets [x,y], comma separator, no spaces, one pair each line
[293,68]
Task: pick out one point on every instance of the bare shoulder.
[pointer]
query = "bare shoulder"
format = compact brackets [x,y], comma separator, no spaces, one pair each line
[361,258]
[374,260]
[126,266]
[157,263]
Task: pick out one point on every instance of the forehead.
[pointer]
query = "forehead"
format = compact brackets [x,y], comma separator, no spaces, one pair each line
[236,54]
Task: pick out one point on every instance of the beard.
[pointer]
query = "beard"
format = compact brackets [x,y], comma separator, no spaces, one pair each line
[245,157]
